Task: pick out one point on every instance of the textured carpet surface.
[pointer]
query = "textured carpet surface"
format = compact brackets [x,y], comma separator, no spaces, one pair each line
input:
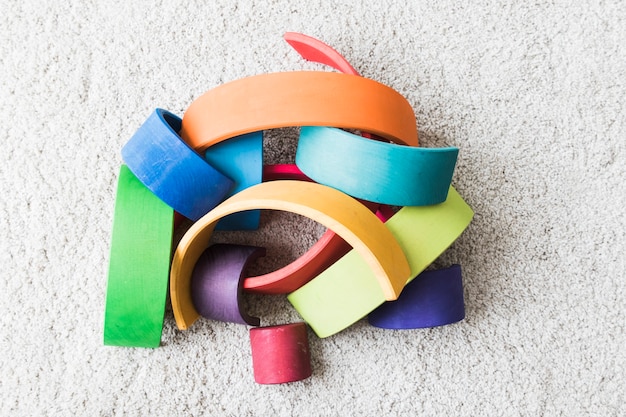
[533,94]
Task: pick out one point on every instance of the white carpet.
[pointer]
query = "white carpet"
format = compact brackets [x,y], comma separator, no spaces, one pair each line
[533,95]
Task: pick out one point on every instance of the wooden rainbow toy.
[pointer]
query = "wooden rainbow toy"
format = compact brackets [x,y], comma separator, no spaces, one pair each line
[208,167]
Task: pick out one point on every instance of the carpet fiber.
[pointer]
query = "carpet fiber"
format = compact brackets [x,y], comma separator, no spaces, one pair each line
[533,95]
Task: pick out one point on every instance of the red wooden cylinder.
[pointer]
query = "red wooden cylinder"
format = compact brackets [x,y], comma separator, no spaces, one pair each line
[280,353]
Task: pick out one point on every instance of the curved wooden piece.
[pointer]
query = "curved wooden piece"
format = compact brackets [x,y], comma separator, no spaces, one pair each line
[376,171]
[345,216]
[139,264]
[284,172]
[280,353]
[433,298]
[216,282]
[325,252]
[315,50]
[171,170]
[240,159]
[347,291]
[298,98]
[328,249]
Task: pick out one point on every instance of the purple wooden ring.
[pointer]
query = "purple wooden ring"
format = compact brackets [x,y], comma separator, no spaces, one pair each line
[217,282]
[433,298]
